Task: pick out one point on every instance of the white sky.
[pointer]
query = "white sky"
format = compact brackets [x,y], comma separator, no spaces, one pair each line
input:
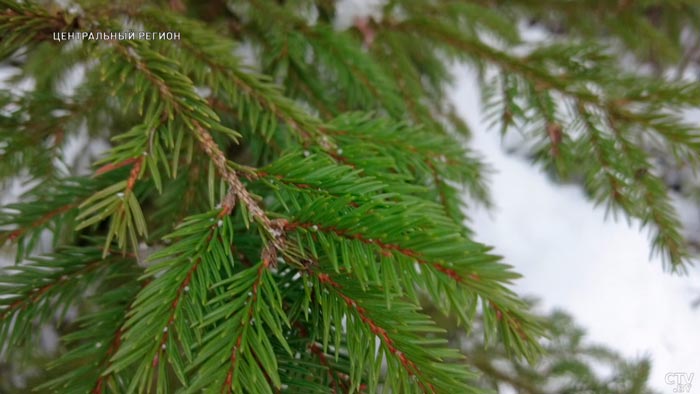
[572,258]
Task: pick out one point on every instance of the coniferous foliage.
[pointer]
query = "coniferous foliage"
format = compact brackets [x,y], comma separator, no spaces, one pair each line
[570,364]
[275,224]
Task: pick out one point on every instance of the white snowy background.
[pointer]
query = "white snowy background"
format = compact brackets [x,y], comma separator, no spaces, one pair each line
[570,255]
[574,258]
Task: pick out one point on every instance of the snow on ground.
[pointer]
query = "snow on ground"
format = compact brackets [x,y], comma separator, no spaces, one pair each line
[573,258]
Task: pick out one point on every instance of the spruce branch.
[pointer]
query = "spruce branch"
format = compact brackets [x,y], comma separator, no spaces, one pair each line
[130,221]
[615,105]
[33,121]
[119,203]
[229,175]
[332,227]
[111,350]
[206,141]
[233,80]
[337,369]
[628,185]
[254,317]
[208,58]
[28,22]
[446,262]
[389,141]
[401,344]
[51,205]
[40,222]
[378,331]
[337,381]
[343,58]
[265,264]
[97,339]
[47,287]
[310,176]
[182,274]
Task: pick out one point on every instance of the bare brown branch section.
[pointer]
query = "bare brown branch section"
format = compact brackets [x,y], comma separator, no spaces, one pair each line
[229,175]
[210,147]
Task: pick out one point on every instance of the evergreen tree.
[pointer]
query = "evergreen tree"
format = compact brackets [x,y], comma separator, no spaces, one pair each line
[281,194]
[569,364]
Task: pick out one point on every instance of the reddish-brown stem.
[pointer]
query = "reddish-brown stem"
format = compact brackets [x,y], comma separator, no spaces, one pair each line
[113,166]
[113,347]
[216,155]
[377,330]
[386,249]
[555,136]
[247,89]
[37,223]
[337,378]
[510,320]
[134,174]
[266,261]
[38,293]
[226,208]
